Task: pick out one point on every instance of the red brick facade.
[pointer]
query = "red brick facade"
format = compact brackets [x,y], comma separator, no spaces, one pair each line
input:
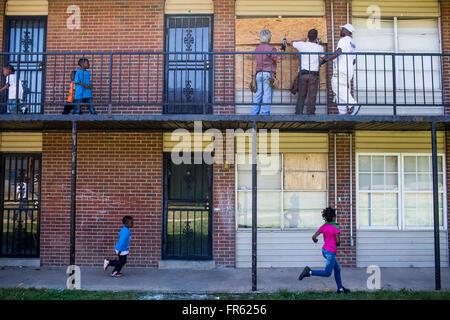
[445,31]
[347,252]
[224,223]
[117,174]
[340,18]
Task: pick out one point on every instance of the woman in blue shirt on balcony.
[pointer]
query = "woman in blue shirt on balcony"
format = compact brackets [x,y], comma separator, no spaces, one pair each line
[83,88]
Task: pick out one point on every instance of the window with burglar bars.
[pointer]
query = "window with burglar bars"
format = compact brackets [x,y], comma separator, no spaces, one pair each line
[20,205]
[25,38]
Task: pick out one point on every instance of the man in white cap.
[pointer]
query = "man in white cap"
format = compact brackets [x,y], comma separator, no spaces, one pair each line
[343,68]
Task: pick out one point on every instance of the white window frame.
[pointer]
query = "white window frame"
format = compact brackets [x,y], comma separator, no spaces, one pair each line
[401,209]
[357,192]
[282,228]
[444,191]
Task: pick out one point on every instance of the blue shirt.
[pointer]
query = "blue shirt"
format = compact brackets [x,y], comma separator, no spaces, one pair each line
[124,240]
[80,91]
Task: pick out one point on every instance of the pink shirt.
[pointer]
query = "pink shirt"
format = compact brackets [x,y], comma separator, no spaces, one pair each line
[266,62]
[329,230]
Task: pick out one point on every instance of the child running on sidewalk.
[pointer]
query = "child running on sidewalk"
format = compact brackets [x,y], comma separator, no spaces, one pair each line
[122,248]
[330,231]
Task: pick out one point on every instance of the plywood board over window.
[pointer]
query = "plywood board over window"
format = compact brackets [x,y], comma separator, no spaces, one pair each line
[247,38]
[26,8]
[305,171]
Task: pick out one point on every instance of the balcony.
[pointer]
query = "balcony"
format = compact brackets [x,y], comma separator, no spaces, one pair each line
[217,83]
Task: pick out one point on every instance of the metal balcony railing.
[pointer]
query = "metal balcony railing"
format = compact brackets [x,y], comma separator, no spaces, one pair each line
[220,82]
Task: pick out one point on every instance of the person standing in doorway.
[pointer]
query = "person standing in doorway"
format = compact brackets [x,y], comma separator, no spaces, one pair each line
[308,72]
[343,70]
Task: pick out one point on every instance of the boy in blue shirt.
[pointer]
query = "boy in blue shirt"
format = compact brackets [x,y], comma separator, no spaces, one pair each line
[83,88]
[122,248]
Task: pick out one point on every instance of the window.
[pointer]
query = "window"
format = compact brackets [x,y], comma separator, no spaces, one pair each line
[418,190]
[391,194]
[292,190]
[378,191]
[417,76]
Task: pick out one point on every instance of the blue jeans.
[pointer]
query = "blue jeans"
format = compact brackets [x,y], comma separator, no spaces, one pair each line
[78,102]
[264,94]
[11,106]
[331,265]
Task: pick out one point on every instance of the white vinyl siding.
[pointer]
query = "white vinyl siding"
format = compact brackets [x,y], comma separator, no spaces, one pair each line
[410,241]
[279,249]
[26,8]
[262,8]
[407,248]
[189,7]
[418,79]
[396,8]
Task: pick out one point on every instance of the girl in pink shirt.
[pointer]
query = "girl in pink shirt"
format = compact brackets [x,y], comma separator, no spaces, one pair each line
[330,231]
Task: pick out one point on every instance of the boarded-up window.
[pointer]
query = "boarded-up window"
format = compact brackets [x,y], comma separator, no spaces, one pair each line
[292,190]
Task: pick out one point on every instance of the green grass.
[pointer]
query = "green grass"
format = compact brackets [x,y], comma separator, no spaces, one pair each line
[53,294]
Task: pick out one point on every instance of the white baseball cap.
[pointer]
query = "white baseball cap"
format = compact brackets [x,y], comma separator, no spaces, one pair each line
[349,27]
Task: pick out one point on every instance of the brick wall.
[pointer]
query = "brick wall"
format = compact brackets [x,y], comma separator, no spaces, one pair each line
[2,21]
[340,18]
[445,30]
[224,223]
[447,172]
[108,26]
[117,174]
[346,252]
[55,198]
[224,40]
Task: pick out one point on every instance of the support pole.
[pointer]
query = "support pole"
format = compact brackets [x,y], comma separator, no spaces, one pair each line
[254,206]
[437,257]
[73,193]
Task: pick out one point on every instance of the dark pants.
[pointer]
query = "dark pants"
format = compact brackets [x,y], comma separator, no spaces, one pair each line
[118,264]
[84,101]
[307,92]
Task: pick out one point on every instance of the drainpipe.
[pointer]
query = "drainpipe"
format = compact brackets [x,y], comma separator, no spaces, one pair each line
[335,176]
[351,192]
[348,12]
[254,208]
[73,193]
[437,253]
[332,26]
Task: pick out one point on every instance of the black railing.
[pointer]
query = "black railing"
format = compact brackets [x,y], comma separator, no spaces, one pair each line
[213,82]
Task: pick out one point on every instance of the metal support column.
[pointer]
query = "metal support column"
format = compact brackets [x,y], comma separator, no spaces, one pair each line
[254,206]
[73,193]
[437,257]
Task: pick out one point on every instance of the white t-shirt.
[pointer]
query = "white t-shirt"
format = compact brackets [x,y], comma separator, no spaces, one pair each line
[345,61]
[12,81]
[310,62]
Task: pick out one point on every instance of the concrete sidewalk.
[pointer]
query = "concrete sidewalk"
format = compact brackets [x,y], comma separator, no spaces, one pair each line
[217,280]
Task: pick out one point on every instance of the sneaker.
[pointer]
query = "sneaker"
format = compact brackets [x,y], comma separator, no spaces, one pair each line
[343,290]
[116,274]
[305,273]
[105,264]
